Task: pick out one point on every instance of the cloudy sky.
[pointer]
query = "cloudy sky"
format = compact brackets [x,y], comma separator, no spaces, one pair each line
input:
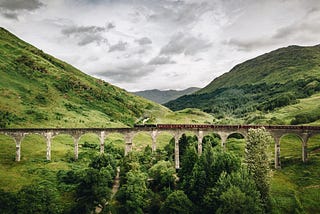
[163,44]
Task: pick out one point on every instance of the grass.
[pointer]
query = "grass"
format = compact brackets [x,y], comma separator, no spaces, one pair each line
[185,116]
[285,114]
[295,188]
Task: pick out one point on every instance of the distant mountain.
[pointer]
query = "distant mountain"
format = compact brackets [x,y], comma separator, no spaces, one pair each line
[263,84]
[38,90]
[165,96]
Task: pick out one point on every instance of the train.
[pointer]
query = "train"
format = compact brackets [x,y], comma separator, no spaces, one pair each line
[212,126]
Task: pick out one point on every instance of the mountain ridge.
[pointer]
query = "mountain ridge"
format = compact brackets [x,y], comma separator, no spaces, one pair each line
[163,96]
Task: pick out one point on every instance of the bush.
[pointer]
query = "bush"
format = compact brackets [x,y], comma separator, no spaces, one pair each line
[305,118]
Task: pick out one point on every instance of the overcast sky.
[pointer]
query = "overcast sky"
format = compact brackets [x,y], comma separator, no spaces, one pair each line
[161,44]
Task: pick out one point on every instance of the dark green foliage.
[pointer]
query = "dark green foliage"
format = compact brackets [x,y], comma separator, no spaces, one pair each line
[305,118]
[133,194]
[207,170]
[7,202]
[6,118]
[103,160]
[169,148]
[162,175]
[41,99]
[91,186]
[39,198]
[234,193]
[177,203]
[210,140]
[93,190]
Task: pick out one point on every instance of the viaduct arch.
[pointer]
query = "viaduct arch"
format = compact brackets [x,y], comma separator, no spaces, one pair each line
[176,130]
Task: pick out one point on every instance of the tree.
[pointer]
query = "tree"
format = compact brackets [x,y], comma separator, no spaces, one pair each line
[92,190]
[256,158]
[233,193]
[163,175]
[188,160]
[207,170]
[39,198]
[133,195]
[177,202]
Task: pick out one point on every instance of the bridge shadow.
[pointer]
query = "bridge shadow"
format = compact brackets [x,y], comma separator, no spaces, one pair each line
[62,147]
[89,144]
[314,147]
[33,147]
[117,140]
[291,149]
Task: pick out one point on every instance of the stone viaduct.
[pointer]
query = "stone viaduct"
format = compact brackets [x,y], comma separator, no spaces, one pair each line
[176,130]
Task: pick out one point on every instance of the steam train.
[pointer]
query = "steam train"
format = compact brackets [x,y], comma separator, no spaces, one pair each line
[212,126]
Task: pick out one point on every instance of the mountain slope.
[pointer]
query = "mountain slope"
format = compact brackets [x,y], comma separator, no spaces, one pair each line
[265,83]
[38,90]
[164,96]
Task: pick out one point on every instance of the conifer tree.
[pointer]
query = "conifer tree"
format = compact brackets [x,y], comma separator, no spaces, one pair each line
[257,160]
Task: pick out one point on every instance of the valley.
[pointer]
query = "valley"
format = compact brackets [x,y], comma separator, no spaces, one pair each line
[39,91]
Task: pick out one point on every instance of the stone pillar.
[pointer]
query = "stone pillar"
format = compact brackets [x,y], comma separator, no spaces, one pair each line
[128,143]
[224,137]
[18,137]
[200,137]
[154,140]
[48,136]
[76,147]
[102,138]
[277,162]
[176,151]
[304,153]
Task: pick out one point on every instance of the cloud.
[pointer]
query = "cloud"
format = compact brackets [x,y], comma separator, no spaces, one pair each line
[127,71]
[306,27]
[120,46]
[11,15]
[161,60]
[249,45]
[82,29]
[298,28]
[16,5]
[85,34]
[179,12]
[143,41]
[110,26]
[184,43]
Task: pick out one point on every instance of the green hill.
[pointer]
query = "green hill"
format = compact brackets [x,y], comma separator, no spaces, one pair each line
[162,97]
[38,90]
[263,84]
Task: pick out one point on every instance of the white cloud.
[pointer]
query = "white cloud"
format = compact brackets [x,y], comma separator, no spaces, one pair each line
[164,44]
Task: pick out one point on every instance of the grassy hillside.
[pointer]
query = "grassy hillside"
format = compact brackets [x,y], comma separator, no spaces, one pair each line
[264,84]
[165,96]
[38,90]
